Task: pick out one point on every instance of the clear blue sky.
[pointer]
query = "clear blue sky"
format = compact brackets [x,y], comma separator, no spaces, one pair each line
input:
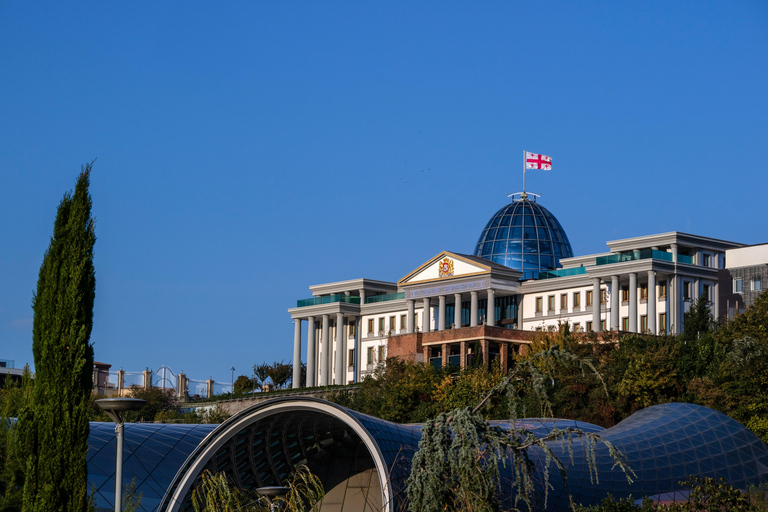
[248,150]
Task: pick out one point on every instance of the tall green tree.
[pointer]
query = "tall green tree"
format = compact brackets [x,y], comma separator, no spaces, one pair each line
[54,426]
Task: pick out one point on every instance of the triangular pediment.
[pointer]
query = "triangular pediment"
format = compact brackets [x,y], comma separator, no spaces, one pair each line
[446,265]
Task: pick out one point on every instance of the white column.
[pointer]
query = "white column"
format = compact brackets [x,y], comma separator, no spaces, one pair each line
[473,309]
[409,318]
[425,315]
[633,302]
[340,349]
[324,350]
[674,303]
[296,380]
[596,304]
[615,303]
[651,302]
[311,354]
[441,313]
[490,308]
[457,310]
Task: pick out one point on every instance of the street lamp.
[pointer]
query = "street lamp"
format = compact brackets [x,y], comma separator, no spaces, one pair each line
[115,407]
[272,492]
[232,390]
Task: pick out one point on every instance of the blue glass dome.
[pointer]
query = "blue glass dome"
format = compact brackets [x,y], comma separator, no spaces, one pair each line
[525,236]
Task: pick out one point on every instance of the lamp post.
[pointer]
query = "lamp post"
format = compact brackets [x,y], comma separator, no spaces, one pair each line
[115,407]
[232,390]
[254,380]
[272,492]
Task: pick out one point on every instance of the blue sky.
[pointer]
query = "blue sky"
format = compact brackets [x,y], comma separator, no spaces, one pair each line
[248,150]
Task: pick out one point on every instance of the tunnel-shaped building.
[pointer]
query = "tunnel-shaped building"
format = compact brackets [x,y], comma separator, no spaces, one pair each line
[364,462]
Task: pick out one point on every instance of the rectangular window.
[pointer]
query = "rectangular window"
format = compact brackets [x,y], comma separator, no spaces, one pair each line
[602,325]
[662,289]
[564,301]
[539,304]
[686,290]
[644,292]
[381,324]
[415,321]
[392,325]
[576,299]
[403,322]
[756,285]
[551,303]
[603,296]
[370,326]
[625,323]
[370,355]
[589,326]
[706,260]
[352,327]
[705,292]
[643,323]
[576,327]
[382,353]
[624,294]
[351,357]
[662,323]
[737,286]
[589,300]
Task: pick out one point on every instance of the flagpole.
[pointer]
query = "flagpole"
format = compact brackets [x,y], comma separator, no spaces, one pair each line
[523,171]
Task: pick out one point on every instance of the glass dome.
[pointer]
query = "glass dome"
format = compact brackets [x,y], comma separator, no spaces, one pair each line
[525,236]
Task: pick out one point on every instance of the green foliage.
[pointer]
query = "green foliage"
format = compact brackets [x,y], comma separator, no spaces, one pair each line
[158,401]
[53,427]
[709,494]
[457,465]
[610,504]
[244,385]
[280,373]
[216,493]
[13,396]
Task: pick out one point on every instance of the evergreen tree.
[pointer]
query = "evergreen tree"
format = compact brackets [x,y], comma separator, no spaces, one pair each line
[54,427]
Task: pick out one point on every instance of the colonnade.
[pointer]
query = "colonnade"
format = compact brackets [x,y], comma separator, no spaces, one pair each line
[325,347]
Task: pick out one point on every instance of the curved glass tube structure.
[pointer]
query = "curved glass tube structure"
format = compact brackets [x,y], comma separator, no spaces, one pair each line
[364,461]
[525,236]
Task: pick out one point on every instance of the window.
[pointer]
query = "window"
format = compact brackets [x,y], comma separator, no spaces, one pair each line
[351,357]
[352,327]
[564,301]
[392,323]
[576,327]
[756,285]
[403,322]
[370,355]
[539,304]
[370,326]
[415,321]
[589,326]
[625,323]
[602,325]
[382,353]
[662,323]
[705,292]
[662,289]
[643,323]
[603,296]
[589,300]
[576,299]
[706,260]
[624,294]
[686,290]
[737,286]
[551,303]
[381,324]
[644,292]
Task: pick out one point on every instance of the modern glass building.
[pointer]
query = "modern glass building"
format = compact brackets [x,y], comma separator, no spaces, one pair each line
[524,236]
[364,461]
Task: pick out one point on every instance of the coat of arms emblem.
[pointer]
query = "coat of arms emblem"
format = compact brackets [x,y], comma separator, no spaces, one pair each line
[445,268]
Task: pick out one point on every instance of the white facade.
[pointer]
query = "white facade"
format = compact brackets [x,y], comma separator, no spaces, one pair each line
[643,284]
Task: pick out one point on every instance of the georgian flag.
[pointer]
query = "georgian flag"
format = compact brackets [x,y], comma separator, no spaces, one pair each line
[534,161]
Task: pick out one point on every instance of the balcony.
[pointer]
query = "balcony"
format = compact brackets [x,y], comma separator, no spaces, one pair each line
[383,298]
[328,299]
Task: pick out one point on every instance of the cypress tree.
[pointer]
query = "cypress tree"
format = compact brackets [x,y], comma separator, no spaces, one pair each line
[54,426]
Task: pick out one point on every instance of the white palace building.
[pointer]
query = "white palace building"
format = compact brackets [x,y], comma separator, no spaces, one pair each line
[523,266]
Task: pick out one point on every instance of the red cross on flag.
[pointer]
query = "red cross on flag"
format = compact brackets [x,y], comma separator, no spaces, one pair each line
[534,161]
